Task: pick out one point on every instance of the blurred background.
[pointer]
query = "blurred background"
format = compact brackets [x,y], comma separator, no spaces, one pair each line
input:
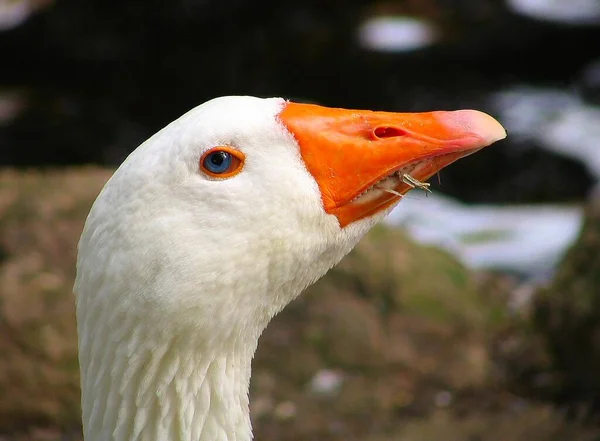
[472,314]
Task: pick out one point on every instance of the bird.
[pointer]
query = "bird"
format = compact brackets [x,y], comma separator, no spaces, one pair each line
[211,227]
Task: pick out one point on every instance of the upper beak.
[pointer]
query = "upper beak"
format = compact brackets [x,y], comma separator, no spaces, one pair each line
[358,157]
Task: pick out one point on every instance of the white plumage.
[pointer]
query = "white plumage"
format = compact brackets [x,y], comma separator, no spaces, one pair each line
[179,272]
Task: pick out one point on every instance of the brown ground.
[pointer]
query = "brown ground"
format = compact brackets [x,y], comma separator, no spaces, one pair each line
[423,349]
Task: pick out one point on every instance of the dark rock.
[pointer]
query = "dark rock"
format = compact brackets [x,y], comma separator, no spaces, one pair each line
[588,83]
[567,314]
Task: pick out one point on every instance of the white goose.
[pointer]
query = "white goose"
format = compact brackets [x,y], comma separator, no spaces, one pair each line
[210,228]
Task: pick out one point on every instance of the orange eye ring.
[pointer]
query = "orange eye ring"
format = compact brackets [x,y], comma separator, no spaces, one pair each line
[221,162]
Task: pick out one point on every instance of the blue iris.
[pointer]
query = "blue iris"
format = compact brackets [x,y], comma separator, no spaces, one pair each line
[217,162]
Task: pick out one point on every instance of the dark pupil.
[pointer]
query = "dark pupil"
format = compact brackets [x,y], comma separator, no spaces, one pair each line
[218,158]
[218,162]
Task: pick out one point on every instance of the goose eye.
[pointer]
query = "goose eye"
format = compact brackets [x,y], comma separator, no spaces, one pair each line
[222,162]
[218,162]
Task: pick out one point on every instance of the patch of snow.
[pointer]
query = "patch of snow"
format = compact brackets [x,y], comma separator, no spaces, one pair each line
[560,121]
[396,33]
[572,12]
[528,239]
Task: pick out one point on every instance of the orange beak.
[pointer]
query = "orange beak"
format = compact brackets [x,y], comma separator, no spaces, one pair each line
[358,157]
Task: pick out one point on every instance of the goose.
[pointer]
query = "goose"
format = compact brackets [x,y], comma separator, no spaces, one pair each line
[210,227]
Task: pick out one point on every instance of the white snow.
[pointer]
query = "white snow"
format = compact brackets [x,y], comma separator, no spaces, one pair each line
[571,12]
[528,239]
[396,33]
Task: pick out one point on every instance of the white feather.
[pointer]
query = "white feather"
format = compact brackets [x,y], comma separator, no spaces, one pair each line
[178,274]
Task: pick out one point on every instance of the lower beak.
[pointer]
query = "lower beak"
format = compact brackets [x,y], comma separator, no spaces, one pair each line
[360,158]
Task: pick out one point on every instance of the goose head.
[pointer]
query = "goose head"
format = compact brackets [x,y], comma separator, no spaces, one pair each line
[210,228]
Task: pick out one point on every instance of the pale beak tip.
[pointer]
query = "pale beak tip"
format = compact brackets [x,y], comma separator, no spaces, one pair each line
[482,125]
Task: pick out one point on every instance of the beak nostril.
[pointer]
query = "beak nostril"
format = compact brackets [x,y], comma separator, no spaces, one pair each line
[387,132]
